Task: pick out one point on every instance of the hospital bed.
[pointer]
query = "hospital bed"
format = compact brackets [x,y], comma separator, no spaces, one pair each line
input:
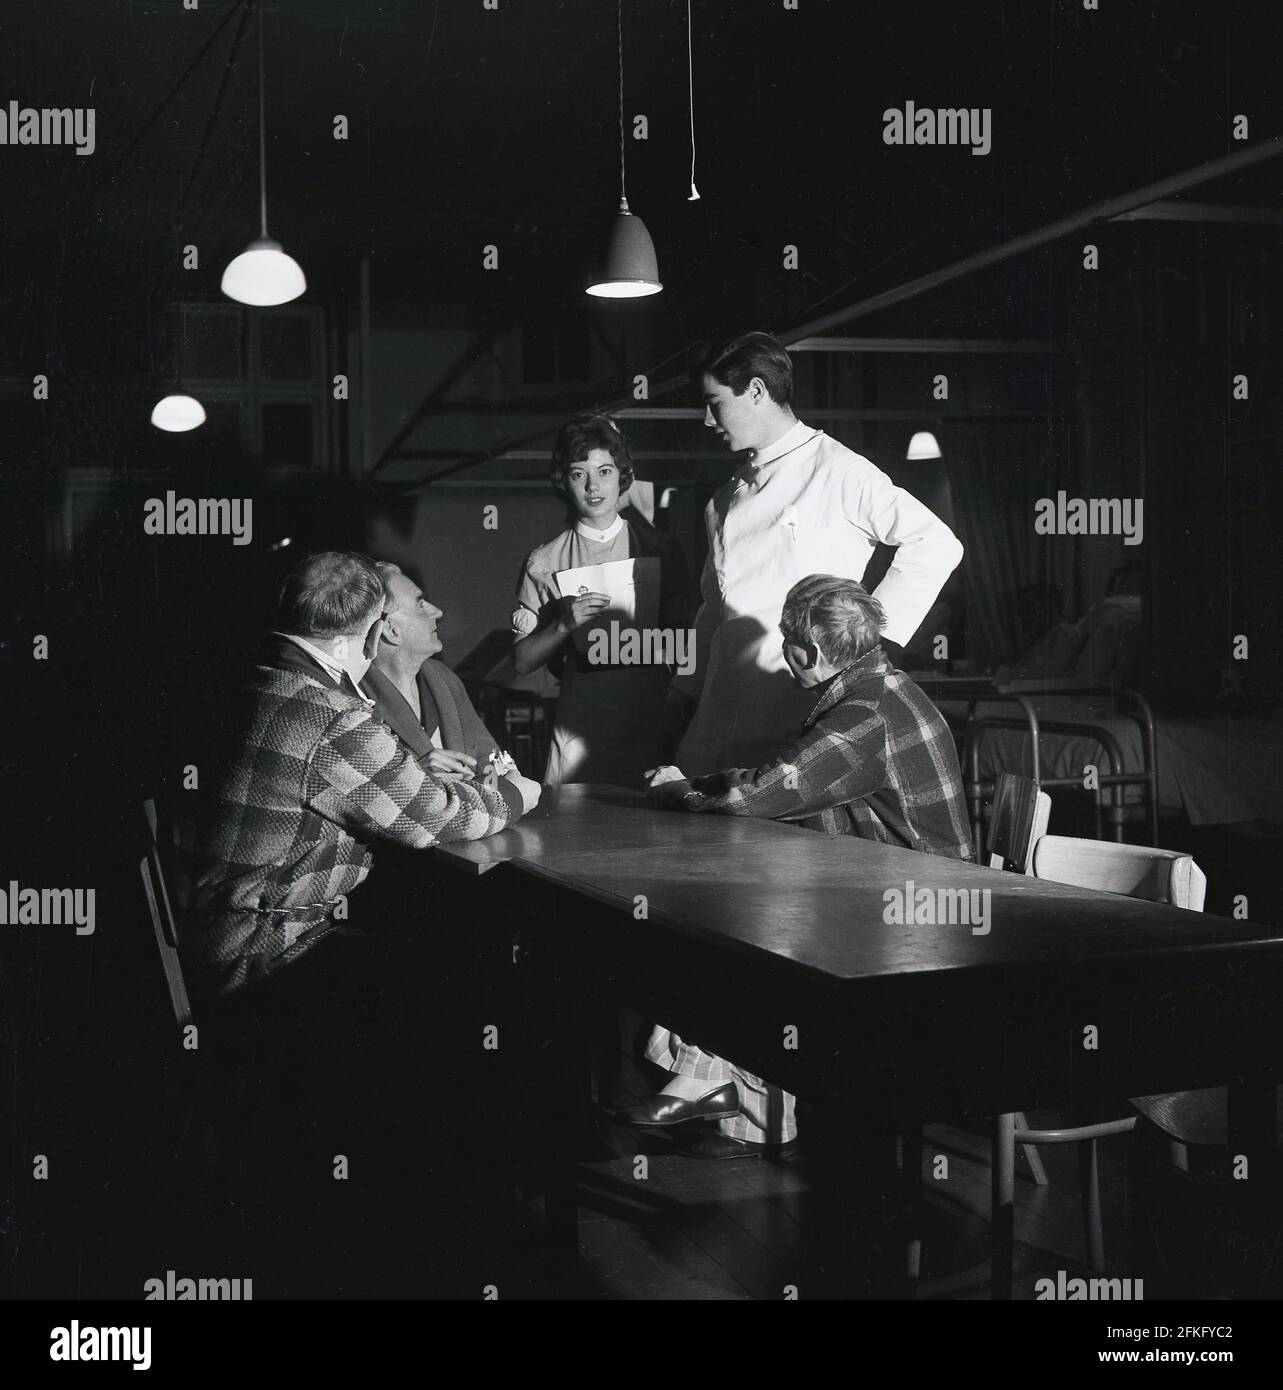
[1210,770]
[1053,731]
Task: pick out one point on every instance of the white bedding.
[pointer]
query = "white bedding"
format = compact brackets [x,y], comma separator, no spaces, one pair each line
[1216,771]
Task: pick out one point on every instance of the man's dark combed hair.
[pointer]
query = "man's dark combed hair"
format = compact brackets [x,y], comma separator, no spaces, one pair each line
[577,438]
[738,360]
[334,593]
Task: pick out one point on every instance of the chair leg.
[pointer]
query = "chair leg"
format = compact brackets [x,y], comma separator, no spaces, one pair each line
[1003,1175]
[1089,1181]
[1032,1157]
[183,1131]
[1146,1258]
[911,1170]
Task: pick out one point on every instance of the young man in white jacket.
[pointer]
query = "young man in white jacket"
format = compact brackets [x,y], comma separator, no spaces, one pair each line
[800,503]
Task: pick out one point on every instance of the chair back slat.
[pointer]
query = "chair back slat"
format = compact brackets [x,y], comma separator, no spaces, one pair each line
[1136,871]
[1018,818]
[164,925]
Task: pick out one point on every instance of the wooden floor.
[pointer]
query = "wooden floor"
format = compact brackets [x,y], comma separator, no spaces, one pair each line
[676,1227]
[653,1224]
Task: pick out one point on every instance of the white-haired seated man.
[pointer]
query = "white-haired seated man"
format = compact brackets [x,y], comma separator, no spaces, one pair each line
[875,759]
[419,697]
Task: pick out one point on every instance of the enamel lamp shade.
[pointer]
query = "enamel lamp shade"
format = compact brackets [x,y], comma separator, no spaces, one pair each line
[924,445]
[177,414]
[263,274]
[630,269]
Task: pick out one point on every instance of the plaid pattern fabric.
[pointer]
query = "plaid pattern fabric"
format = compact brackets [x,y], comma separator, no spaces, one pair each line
[876,760]
[314,778]
[767,1114]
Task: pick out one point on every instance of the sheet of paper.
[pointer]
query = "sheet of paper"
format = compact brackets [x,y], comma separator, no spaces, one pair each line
[626,583]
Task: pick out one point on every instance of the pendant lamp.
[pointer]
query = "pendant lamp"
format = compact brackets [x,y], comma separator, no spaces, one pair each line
[630,269]
[176,414]
[263,274]
[924,445]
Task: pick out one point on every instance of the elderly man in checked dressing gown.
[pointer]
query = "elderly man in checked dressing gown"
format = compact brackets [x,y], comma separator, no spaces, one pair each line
[800,503]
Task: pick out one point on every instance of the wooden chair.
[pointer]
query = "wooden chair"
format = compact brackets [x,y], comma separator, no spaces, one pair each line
[1199,1231]
[192,1122]
[213,1115]
[1193,1120]
[1018,819]
[1017,822]
[1135,871]
[163,922]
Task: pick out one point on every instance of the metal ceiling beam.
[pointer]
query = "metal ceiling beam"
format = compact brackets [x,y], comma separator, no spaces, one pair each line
[224,82]
[526,455]
[1043,236]
[472,354]
[927,418]
[937,345]
[1096,213]
[1175,210]
[137,138]
[679,412]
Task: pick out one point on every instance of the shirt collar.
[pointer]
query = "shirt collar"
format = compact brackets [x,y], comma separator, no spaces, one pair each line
[609,534]
[327,663]
[797,435]
[837,687]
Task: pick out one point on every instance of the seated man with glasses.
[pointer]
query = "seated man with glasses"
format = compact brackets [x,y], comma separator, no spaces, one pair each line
[356,1020]
[312,780]
[419,697]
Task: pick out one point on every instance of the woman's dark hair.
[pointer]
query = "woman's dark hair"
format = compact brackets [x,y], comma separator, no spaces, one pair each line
[577,438]
[737,361]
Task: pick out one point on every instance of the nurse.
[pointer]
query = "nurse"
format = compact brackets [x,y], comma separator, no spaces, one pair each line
[608,716]
[800,503]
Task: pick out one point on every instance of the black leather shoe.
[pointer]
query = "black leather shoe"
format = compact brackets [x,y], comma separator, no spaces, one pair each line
[723,1146]
[659,1112]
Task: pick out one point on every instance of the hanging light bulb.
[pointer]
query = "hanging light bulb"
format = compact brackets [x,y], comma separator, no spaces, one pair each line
[924,445]
[630,270]
[177,414]
[263,274]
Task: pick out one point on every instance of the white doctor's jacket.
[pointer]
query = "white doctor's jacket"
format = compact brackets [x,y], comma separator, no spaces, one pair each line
[805,505]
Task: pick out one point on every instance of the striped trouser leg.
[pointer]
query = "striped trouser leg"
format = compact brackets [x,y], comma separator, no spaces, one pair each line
[767,1112]
[669,1051]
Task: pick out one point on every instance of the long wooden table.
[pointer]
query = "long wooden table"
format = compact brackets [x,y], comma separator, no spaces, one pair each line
[768,944]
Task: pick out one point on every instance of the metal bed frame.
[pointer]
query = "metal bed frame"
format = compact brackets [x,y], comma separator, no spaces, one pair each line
[1109,808]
